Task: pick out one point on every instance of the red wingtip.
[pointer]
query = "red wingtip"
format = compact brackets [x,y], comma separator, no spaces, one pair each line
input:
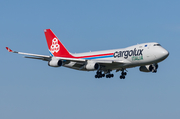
[9,50]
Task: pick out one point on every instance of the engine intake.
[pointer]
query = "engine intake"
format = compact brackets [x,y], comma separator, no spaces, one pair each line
[149,68]
[92,66]
[55,63]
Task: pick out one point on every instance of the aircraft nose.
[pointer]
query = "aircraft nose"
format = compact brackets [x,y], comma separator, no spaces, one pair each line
[165,53]
[161,53]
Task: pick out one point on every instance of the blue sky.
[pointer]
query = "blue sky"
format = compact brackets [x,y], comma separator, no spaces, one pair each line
[30,89]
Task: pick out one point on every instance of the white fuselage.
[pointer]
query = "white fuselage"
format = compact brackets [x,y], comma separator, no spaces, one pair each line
[137,55]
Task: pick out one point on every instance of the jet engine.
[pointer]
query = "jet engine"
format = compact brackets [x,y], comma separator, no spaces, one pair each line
[55,63]
[92,66]
[149,68]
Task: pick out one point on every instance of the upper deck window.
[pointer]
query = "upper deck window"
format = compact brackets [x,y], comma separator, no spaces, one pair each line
[157,45]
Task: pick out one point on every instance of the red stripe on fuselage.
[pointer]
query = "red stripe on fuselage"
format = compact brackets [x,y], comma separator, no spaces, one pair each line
[94,55]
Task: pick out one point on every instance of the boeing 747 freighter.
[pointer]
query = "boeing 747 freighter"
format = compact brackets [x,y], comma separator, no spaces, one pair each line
[146,56]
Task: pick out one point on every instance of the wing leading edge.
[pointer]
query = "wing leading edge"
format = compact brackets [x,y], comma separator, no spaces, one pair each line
[77,60]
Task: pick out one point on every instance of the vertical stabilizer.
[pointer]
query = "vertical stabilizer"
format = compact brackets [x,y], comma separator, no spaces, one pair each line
[56,48]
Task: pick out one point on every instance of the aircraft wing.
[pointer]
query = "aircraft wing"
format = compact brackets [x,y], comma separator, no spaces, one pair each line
[44,57]
[78,62]
[33,56]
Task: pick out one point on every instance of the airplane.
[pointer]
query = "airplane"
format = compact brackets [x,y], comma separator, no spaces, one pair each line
[146,56]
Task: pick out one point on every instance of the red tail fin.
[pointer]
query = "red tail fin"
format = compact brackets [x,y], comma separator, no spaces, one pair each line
[56,48]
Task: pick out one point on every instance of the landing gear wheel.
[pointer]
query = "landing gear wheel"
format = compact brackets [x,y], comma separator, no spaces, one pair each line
[109,75]
[99,74]
[122,77]
[123,74]
[155,71]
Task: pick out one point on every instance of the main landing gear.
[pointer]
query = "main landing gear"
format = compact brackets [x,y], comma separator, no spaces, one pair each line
[99,74]
[123,74]
[109,75]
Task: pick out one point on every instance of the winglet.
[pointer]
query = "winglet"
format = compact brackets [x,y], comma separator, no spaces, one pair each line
[8,49]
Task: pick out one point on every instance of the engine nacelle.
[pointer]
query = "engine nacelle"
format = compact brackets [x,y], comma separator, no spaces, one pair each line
[149,68]
[55,63]
[92,66]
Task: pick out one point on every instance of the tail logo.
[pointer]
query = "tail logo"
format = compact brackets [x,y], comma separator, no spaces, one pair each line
[55,47]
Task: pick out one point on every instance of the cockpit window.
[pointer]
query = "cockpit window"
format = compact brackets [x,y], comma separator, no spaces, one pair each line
[157,45]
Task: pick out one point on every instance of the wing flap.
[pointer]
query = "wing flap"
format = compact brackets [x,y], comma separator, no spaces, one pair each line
[39,58]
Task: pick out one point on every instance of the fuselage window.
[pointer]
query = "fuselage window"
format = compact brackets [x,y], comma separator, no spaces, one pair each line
[157,45]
